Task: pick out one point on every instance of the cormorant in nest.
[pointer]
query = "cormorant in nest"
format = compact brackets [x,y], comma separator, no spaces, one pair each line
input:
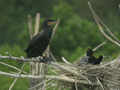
[90,58]
[39,42]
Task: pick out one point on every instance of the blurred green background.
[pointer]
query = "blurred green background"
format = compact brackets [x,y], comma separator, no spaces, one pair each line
[77,30]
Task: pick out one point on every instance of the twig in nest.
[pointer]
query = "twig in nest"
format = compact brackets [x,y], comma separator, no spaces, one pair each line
[100,26]
[100,83]
[56,65]
[39,84]
[76,86]
[65,61]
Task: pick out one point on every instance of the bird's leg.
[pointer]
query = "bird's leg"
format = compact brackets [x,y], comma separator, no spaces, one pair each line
[46,60]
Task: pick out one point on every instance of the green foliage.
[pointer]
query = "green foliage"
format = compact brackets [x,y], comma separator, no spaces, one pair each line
[74,34]
[14,50]
[5,82]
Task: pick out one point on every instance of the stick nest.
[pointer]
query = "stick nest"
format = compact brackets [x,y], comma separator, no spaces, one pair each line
[103,76]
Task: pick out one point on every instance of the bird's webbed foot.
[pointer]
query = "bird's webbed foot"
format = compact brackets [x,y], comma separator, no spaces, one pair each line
[46,60]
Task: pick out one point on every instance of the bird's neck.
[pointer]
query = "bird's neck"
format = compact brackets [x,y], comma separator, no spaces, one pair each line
[89,55]
[48,30]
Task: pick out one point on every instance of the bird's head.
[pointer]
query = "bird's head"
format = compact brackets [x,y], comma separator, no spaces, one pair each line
[101,57]
[49,22]
[89,52]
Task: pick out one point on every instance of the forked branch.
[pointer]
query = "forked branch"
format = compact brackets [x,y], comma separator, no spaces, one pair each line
[95,16]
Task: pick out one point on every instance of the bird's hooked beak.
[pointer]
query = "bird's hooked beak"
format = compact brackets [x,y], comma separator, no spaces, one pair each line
[52,22]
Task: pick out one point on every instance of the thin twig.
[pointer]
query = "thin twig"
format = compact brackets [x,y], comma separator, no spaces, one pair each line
[100,45]
[39,84]
[38,59]
[11,66]
[107,28]
[76,86]
[100,27]
[56,65]
[55,28]
[100,83]
[52,56]
[66,61]
[69,70]
[15,80]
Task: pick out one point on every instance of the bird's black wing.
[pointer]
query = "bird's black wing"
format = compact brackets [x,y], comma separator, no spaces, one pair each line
[34,40]
[36,37]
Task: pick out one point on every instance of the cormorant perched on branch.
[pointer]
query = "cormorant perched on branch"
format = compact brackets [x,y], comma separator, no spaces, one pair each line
[39,42]
[90,58]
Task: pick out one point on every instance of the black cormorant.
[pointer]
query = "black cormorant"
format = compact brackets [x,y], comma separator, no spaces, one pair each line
[90,58]
[39,42]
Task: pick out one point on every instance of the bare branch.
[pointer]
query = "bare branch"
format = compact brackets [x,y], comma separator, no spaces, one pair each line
[108,29]
[13,67]
[38,59]
[39,84]
[54,77]
[15,80]
[37,24]
[52,56]
[100,27]
[56,65]
[66,61]
[100,83]
[100,45]
[55,28]
[30,26]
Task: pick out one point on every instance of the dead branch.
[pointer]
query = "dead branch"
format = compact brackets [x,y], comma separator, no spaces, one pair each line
[108,30]
[69,73]
[30,26]
[100,45]
[37,24]
[55,28]
[39,84]
[15,80]
[100,26]
[13,67]
[66,61]
[22,59]
[60,78]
